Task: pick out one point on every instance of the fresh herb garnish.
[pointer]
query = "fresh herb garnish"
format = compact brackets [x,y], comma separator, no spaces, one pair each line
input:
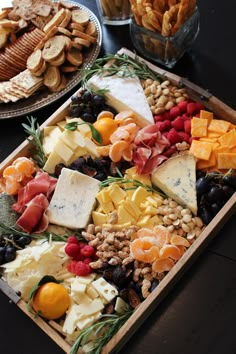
[9,230]
[36,138]
[95,134]
[121,65]
[103,330]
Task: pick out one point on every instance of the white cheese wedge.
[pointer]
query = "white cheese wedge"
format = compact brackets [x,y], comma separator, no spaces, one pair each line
[106,290]
[73,200]
[86,310]
[125,93]
[177,178]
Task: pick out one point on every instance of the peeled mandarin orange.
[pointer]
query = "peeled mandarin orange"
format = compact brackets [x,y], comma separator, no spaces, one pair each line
[106,127]
[116,150]
[162,265]
[179,241]
[51,300]
[13,172]
[12,186]
[24,165]
[170,251]
[144,250]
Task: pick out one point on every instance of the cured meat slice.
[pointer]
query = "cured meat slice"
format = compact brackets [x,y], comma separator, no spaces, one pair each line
[33,218]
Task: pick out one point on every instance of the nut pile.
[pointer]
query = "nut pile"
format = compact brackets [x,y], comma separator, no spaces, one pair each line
[163,96]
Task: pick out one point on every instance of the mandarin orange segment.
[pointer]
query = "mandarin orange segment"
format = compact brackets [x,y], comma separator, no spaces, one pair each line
[121,133]
[171,251]
[12,186]
[143,250]
[162,265]
[179,241]
[25,166]
[128,153]
[116,150]
[182,249]
[12,172]
[124,115]
[162,235]
[145,232]
[105,114]
[126,121]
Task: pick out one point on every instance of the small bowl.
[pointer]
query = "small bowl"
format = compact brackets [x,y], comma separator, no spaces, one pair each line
[165,50]
[114,12]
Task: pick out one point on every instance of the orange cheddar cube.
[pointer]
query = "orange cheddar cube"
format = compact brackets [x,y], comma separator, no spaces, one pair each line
[198,127]
[226,160]
[228,139]
[206,115]
[209,140]
[213,134]
[219,126]
[201,149]
[223,148]
[203,164]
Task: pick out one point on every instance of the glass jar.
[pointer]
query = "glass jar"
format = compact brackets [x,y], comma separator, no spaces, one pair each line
[165,50]
[114,12]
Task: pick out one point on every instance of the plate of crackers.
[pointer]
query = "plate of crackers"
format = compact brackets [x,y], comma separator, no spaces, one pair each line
[44,47]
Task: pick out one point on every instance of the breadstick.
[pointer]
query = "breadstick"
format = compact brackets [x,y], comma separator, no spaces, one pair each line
[182,15]
[168,19]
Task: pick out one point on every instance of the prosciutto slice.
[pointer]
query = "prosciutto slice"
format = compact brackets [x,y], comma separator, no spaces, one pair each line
[42,183]
[149,145]
[33,218]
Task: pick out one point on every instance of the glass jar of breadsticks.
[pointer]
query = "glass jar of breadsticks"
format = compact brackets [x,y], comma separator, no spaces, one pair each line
[114,12]
[162,30]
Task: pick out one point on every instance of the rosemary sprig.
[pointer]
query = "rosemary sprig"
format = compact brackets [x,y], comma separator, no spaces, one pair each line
[95,133]
[119,64]
[36,138]
[9,230]
[104,330]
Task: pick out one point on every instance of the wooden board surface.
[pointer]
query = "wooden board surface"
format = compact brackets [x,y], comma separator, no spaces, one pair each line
[147,306]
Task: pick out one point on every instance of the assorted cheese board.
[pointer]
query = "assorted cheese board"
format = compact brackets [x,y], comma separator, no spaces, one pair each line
[145,201]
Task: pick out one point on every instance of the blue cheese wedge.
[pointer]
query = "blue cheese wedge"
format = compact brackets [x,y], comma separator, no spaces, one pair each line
[177,178]
[125,93]
[73,200]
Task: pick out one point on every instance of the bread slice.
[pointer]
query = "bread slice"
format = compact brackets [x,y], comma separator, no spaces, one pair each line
[80,16]
[52,77]
[60,60]
[56,20]
[68,68]
[35,61]
[75,57]
[53,48]
[76,26]
[83,42]
[84,36]
[66,20]
[41,70]
[91,29]
[3,38]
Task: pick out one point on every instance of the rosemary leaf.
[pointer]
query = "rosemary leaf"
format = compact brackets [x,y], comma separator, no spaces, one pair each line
[36,138]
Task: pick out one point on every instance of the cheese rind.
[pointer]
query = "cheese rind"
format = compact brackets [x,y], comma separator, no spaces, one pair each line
[125,93]
[177,178]
[73,200]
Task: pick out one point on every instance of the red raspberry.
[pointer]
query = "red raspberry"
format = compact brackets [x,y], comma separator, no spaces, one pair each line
[183,106]
[167,123]
[79,257]
[87,251]
[187,126]
[184,136]
[166,115]
[178,123]
[72,249]
[161,126]
[82,269]
[185,116]
[87,260]
[158,118]
[71,266]
[173,136]
[72,239]
[174,112]
[82,244]
[192,108]
[199,106]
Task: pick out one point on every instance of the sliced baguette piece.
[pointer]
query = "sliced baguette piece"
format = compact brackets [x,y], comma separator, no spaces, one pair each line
[52,77]
[56,20]
[49,35]
[81,41]
[62,84]
[68,68]
[66,5]
[64,31]
[83,35]
[60,60]
[35,61]
[53,48]
[42,69]
[80,16]
[64,23]
[76,45]
[76,26]
[74,56]
[91,29]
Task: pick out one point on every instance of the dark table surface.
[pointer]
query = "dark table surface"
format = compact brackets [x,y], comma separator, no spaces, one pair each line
[199,314]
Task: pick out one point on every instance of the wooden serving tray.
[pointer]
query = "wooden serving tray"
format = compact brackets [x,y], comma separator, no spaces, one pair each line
[146,307]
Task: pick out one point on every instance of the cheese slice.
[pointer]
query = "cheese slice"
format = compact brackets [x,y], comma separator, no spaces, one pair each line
[177,178]
[73,200]
[125,93]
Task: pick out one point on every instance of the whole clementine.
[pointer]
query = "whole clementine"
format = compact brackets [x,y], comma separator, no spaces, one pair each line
[51,300]
[106,127]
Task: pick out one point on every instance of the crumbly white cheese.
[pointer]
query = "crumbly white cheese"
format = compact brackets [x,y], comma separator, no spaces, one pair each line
[125,93]
[73,200]
[177,178]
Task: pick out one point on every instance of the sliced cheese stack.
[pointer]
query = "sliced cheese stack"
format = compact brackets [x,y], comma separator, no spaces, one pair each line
[125,93]
[177,178]
[73,200]
[65,146]
[89,299]
[131,207]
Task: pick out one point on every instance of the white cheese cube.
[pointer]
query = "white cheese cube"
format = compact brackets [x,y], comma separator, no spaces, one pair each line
[70,320]
[121,306]
[106,290]
[77,287]
[87,279]
[73,200]
[91,147]
[91,292]
[81,298]
[63,151]
[73,139]
[88,321]
[95,306]
[52,161]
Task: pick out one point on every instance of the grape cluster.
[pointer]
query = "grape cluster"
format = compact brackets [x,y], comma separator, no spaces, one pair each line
[88,105]
[213,191]
[9,244]
[99,169]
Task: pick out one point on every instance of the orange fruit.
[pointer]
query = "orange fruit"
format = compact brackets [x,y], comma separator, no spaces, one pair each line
[106,127]
[13,172]
[117,149]
[24,165]
[51,300]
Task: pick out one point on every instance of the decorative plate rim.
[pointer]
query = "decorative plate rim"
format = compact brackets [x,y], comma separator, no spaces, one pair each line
[52,97]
